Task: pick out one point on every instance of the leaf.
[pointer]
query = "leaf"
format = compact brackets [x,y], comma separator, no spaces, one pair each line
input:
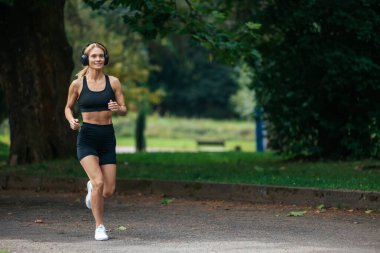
[121,228]
[368,211]
[253,26]
[321,206]
[166,201]
[38,221]
[296,213]
[258,168]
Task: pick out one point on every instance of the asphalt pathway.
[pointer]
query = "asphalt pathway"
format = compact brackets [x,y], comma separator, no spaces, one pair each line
[60,222]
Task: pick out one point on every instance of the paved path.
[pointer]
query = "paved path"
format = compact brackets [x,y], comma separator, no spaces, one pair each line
[182,226]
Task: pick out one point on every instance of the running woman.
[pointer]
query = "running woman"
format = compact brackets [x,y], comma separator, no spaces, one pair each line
[98,96]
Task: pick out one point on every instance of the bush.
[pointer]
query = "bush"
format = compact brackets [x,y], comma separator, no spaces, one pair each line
[319,77]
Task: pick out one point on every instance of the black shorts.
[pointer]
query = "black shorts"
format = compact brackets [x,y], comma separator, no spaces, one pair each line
[97,140]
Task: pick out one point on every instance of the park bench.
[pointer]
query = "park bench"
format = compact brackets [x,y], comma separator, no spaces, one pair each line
[217,143]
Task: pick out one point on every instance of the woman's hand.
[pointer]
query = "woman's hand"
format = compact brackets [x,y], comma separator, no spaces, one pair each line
[113,106]
[74,124]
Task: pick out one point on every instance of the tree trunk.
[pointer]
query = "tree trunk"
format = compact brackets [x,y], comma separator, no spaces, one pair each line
[35,70]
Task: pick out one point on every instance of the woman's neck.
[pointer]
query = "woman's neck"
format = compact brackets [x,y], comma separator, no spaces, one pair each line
[93,74]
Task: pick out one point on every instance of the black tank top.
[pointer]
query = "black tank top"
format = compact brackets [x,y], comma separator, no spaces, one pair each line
[92,101]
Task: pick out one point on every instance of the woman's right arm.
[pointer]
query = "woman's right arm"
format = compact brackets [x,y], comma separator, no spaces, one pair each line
[71,99]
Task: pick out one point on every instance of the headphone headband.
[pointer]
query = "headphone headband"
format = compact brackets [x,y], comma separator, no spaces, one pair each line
[84,57]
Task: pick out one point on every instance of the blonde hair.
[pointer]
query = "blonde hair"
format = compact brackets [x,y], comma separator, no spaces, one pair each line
[86,50]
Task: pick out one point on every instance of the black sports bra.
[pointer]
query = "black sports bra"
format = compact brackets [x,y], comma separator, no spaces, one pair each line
[92,101]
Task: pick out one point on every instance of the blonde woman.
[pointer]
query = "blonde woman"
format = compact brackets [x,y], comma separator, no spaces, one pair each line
[98,96]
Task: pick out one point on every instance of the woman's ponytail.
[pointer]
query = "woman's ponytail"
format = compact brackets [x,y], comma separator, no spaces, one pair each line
[83,72]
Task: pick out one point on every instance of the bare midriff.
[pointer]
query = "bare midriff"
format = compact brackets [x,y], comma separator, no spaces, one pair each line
[98,118]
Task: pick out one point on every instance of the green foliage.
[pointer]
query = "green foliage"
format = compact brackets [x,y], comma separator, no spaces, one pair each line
[243,101]
[193,85]
[319,77]
[205,21]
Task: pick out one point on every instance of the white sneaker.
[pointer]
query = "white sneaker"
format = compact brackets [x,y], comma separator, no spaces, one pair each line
[101,233]
[88,197]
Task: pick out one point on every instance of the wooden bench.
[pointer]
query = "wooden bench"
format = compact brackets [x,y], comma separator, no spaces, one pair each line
[219,143]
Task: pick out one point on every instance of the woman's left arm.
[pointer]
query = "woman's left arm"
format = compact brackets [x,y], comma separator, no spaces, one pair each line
[119,105]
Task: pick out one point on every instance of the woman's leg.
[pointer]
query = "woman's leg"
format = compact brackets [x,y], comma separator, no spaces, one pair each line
[94,172]
[109,179]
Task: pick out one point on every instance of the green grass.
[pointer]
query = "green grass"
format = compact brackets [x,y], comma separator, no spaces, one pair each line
[185,144]
[225,167]
[181,134]
[185,128]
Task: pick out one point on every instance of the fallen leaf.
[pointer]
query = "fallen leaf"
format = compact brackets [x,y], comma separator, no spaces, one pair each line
[296,213]
[350,210]
[121,228]
[368,211]
[166,201]
[38,221]
[321,206]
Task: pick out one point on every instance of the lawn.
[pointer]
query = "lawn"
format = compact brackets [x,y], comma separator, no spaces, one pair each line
[225,167]
[179,135]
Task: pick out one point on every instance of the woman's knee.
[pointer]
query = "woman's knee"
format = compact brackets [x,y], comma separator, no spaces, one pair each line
[108,192]
[97,184]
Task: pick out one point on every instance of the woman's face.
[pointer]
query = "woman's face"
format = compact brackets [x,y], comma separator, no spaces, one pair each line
[96,58]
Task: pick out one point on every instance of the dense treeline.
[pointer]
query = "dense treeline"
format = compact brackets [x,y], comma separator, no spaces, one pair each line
[317,64]
[319,79]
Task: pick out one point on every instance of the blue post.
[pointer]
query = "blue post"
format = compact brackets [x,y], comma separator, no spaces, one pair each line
[258,112]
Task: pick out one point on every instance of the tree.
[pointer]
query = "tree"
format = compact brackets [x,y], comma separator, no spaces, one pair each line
[35,69]
[205,21]
[319,81]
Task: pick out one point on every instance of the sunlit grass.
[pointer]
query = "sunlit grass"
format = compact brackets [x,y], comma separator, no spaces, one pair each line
[222,167]
[185,128]
[185,144]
